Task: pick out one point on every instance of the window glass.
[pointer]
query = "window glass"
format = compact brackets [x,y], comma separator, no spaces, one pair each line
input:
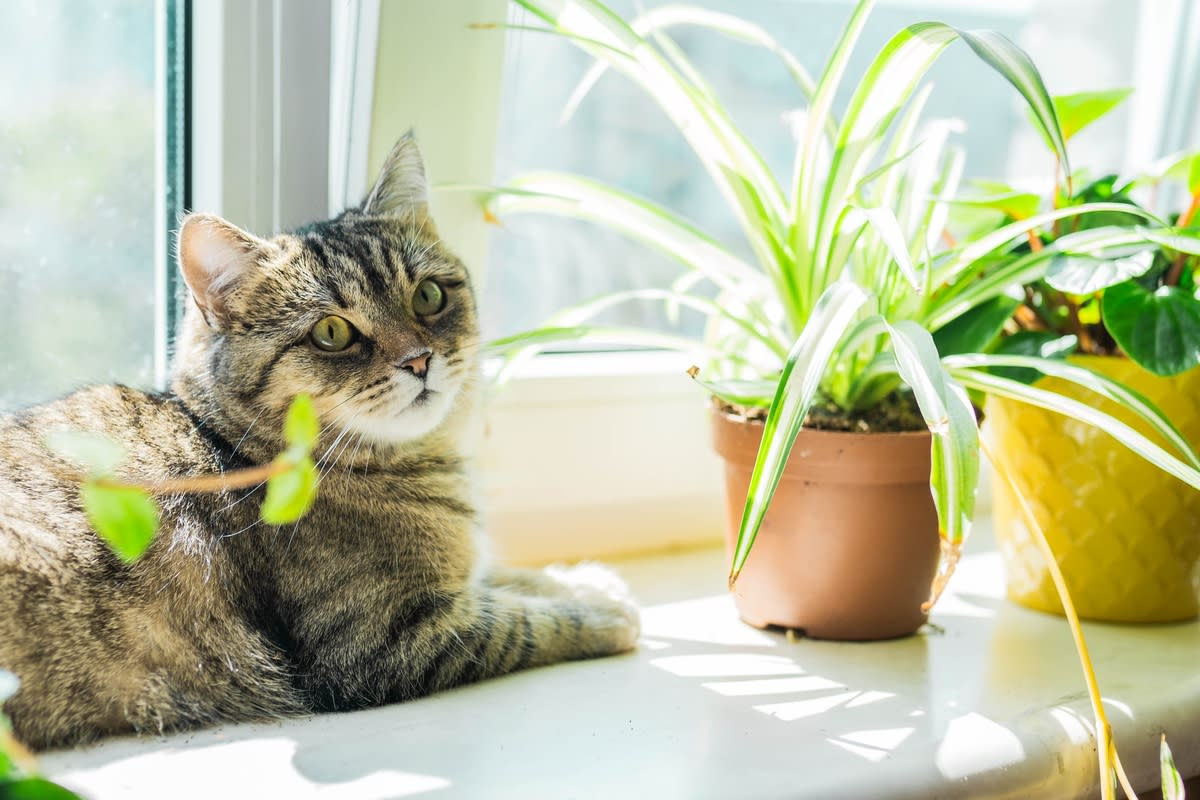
[77,195]
[540,264]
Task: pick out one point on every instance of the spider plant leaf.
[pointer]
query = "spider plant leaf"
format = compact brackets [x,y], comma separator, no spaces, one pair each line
[1002,387]
[1076,111]
[1172,781]
[1160,330]
[805,170]
[717,142]
[948,414]
[1175,239]
[998,276]
[576,197]
[887,228]
[1018,69]
[1089,379]
[664,17]
[1193,181]
[1044,344]
[806,365]
[595,335]
[756,327]
[750,393]
[974,330]
[889,82]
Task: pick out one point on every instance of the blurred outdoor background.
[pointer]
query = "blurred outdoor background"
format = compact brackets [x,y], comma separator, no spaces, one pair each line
[77,148]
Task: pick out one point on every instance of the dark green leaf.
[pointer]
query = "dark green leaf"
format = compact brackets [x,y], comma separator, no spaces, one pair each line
[1076,111]
[301,428]
[1087,274]
[290,494]
[1031,343]
[974,330]
[35,789]
[124,516]
[1159,330]
[1172,781]
[97,453]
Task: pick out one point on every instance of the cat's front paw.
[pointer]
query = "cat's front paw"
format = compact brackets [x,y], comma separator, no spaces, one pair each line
[612,619]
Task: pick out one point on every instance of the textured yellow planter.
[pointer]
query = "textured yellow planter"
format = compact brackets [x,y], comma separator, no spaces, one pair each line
[1126,535]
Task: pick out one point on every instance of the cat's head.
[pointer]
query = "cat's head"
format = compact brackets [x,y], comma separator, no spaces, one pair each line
[368,312]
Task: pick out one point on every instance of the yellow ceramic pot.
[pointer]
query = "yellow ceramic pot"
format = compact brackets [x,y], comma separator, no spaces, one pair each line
[1126,534]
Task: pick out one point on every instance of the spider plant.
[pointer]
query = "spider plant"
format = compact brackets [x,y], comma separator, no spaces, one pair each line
[851,295]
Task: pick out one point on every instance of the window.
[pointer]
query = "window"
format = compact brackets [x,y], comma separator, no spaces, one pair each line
[294,103]
[90,170]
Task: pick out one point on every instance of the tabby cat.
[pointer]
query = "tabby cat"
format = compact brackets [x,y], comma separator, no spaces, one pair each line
[382,592]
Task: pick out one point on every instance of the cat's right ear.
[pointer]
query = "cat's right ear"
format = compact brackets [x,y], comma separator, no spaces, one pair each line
[215,256]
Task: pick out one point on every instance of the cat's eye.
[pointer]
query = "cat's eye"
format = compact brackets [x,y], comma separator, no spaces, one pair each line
[332,334]
[429,299]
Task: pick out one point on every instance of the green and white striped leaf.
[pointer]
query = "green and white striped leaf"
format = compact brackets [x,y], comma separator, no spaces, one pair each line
[1089,379]
[664,17]
[948,414]
[887,228]
[798,384]
[1143,446]
[750,393]
[576,197]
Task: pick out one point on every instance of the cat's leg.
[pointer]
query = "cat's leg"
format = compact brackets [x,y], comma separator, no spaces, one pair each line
[560,580]
[437,641]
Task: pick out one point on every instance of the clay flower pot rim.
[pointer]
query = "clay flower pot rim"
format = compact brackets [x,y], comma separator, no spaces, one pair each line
[733,417]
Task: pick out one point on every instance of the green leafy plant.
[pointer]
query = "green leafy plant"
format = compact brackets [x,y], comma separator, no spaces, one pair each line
[19,778]
[1112,285]
[124,513]
[852,297]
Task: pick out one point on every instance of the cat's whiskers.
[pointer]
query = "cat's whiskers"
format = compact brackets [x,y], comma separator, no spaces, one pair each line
[249,428]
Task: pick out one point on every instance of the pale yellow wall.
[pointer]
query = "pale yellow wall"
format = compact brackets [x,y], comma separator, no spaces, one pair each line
[442,79]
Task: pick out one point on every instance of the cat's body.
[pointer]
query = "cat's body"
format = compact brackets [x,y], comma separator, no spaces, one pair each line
[380,593]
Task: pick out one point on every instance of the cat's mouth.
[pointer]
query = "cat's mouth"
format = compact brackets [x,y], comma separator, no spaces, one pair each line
[423,398]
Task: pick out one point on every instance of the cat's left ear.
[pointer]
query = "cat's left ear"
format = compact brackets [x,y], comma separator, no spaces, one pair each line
[215,257]
[402,188]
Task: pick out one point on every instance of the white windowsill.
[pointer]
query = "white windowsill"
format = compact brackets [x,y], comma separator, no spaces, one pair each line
[991,707]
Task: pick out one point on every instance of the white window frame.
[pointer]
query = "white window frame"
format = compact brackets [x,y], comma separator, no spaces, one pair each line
[584,456]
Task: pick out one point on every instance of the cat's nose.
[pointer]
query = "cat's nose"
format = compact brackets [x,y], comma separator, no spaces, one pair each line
[418,364]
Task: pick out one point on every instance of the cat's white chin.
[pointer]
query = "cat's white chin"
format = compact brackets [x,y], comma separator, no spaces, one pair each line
[393,426]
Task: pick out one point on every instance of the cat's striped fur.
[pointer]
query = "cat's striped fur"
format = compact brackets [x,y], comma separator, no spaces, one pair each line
[380,593]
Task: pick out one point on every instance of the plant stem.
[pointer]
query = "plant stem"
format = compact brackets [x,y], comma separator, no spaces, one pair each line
[236,479]
[16,751]
[1105,747]
[1184,220]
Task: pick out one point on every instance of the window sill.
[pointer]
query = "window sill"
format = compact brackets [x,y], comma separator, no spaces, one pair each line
[993,706]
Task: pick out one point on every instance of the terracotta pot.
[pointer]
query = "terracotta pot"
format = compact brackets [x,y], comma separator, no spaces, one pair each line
[1126,534]
[849,546]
